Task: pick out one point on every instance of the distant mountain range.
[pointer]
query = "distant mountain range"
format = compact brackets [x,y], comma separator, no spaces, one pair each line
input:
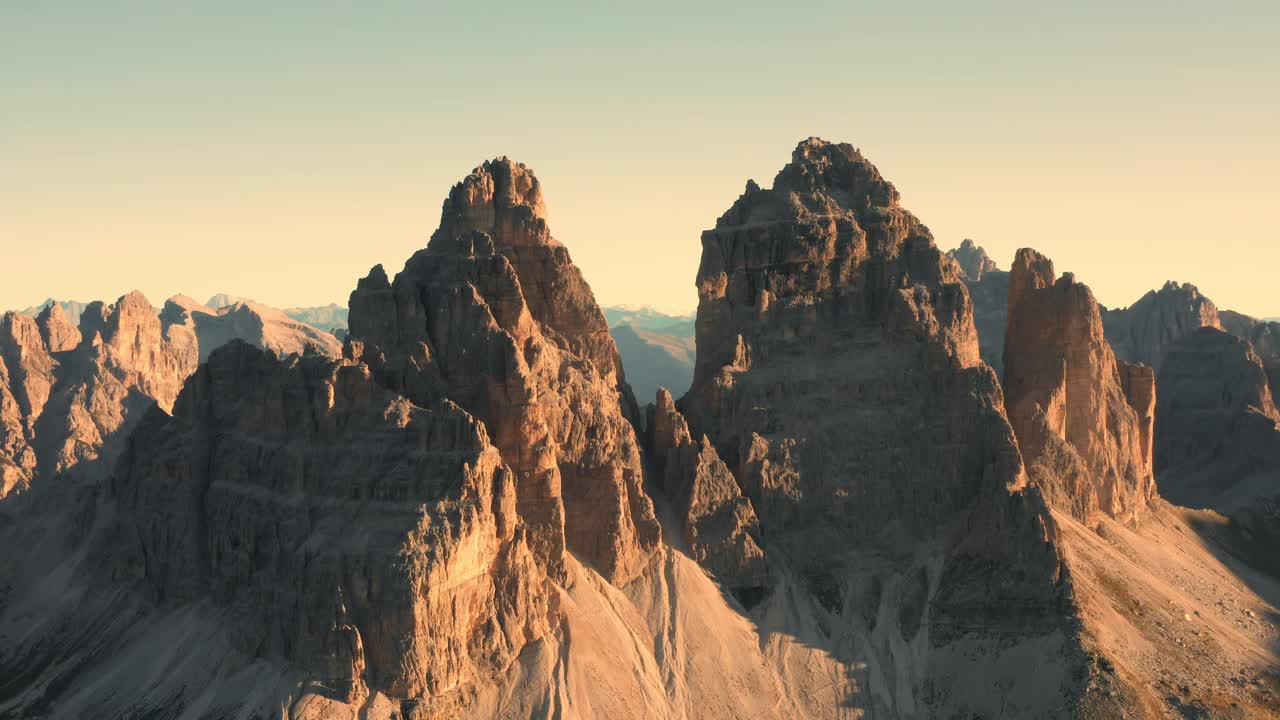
[657,349]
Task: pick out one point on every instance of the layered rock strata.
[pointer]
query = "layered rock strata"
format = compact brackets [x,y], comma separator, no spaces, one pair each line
[838,377]
[494,316]
[1083,419]
[371,543]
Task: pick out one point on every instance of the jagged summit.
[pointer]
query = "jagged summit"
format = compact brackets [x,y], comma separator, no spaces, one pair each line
[822,178]
[973,260]
[501,198]
[494,315]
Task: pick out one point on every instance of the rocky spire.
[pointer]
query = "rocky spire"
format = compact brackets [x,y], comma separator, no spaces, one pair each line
[1086,441]
[493,315]
[973,260]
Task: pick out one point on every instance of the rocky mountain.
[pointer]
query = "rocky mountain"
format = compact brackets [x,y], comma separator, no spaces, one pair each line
[1082,417]
[1264,336]
[989,291]
[452,519]
[69,396]
[1218,443]
[838,378]
[1144,331]
[258,325]
[494,315]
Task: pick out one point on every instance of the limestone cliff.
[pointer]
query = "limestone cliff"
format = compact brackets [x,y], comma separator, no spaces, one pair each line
[721,530]
[495,316]
[838,377]
[371,543]
[1083,419]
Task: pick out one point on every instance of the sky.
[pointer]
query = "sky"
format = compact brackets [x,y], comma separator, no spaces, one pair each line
[279,150]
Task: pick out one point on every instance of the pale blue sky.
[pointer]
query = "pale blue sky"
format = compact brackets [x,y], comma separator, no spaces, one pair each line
[278,152]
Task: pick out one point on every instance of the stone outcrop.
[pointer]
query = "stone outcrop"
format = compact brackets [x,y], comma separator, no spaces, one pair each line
[989,292]
[1083,419]
[494,316]
[838,377]
[369,542]
[1143,332]
[720,527]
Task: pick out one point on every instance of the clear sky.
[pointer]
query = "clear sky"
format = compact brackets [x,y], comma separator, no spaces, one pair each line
[278,150]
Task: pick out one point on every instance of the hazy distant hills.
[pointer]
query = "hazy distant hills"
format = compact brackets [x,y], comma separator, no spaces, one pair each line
[72,308]
[657,349]
[326,317]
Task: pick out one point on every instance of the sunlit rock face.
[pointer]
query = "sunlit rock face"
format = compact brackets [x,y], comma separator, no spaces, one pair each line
[1083,419]
[494,316]
[370,543]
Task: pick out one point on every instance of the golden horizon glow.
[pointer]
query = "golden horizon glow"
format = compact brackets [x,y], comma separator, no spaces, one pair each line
[279,155]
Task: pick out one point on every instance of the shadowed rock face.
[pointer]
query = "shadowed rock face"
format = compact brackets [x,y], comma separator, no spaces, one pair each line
[838,377]
[989,292]
[1143,332]
[1215,422]
[494,316]
[720,526]
[1264,335]
[372,543]
[1083,419]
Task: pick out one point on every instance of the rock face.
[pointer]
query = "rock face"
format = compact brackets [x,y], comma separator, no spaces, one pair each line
[720,526]
[1143,332]
[989,291]
[371,543]
[71,396]
[839,379]
[258,325]
[1216,420]
[494,316]
[1083,419]
[1264,335]
[973,260]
